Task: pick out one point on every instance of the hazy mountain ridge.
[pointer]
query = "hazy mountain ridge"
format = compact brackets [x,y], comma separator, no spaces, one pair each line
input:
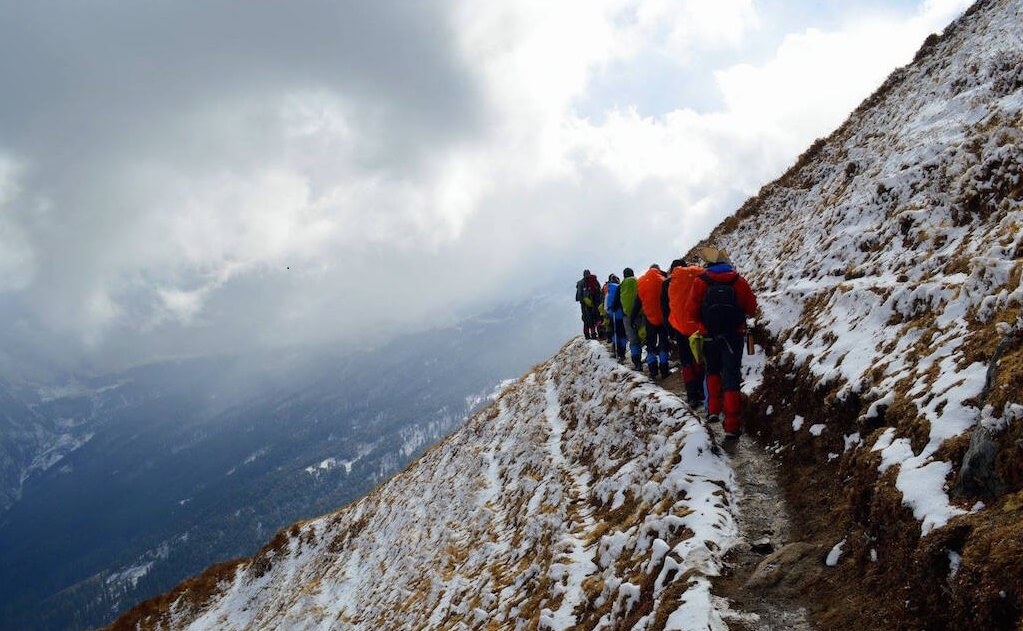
[42,424]
[205,458]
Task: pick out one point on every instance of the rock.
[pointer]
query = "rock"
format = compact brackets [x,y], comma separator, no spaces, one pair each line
[785,571]
[978,476]
[763,546]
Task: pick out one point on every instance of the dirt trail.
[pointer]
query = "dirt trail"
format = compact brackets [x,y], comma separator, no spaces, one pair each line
[767,567]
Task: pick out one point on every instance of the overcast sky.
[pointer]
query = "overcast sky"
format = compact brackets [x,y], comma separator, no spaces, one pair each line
[163,164]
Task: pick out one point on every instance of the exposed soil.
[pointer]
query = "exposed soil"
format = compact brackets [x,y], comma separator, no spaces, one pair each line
[767,571]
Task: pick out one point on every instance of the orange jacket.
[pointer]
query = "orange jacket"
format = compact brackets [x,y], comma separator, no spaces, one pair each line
[678,296]
[649,285]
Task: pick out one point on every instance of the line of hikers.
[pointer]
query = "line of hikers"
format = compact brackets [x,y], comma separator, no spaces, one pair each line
[700,310]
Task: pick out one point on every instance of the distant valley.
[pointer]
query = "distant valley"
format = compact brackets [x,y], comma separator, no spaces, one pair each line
[115,488]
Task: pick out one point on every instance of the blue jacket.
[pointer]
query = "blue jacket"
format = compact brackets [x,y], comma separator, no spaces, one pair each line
[612,304]
[720,268]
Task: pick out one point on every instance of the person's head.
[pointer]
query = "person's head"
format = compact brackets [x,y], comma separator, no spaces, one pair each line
[586,273]
[628,273]
[677,263]
[613,279]
[655,266]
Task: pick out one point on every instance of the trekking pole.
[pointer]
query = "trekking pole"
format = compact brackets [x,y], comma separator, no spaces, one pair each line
[750,346]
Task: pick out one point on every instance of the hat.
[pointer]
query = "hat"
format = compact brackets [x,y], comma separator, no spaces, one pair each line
[714,255]
[628,273]
[677,263]
[613,279]
[586,273]
[655,266]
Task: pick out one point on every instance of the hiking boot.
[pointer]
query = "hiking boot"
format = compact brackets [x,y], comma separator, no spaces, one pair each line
[714,418]
[665,370]
[637,364]
[733,435]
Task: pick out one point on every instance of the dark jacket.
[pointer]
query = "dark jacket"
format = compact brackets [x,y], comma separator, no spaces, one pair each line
[665,305]
[594,289]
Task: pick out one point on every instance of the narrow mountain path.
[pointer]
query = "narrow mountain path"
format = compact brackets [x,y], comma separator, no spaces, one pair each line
[755,583]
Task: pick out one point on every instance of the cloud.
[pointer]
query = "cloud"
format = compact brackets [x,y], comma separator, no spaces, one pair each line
[16,258]
[817,77]
[188,178]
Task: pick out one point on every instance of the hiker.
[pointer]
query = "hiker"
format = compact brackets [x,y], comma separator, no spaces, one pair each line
[587,294]
[679,284]
[627,292]
[721,300]
[649,296]
[666,308]
[605,318]
[616,316]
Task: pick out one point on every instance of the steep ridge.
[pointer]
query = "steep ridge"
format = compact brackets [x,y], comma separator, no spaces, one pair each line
[585,495]
[888,263]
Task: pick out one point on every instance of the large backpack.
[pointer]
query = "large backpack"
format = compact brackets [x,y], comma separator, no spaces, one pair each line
[589,291]
[720,310]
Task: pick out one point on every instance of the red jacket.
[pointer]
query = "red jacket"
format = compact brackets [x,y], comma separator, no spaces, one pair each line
[649,292]
[720,273]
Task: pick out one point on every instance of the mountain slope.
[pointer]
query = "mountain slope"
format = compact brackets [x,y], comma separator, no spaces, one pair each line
[583,494]
[888,262]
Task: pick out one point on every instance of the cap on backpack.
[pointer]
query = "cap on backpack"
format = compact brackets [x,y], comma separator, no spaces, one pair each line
[714,255]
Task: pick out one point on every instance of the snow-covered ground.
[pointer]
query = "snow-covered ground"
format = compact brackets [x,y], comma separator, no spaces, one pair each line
[889,258]
[584,495]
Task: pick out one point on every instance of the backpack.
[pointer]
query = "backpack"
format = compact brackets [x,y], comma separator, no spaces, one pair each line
[588,292]
[720,310]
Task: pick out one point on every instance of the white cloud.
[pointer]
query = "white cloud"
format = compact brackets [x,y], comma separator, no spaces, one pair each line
[16,255]
[395,208]
[817,77]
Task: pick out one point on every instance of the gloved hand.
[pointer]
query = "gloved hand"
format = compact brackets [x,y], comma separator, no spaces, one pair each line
[696,345]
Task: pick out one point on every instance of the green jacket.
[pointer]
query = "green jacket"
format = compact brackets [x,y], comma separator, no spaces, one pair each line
[628,291]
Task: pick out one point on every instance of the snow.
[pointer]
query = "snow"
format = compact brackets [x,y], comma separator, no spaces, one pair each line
[692,614]
[797,423]
[817,429]
[923,490]
[835,554]
[955,561]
